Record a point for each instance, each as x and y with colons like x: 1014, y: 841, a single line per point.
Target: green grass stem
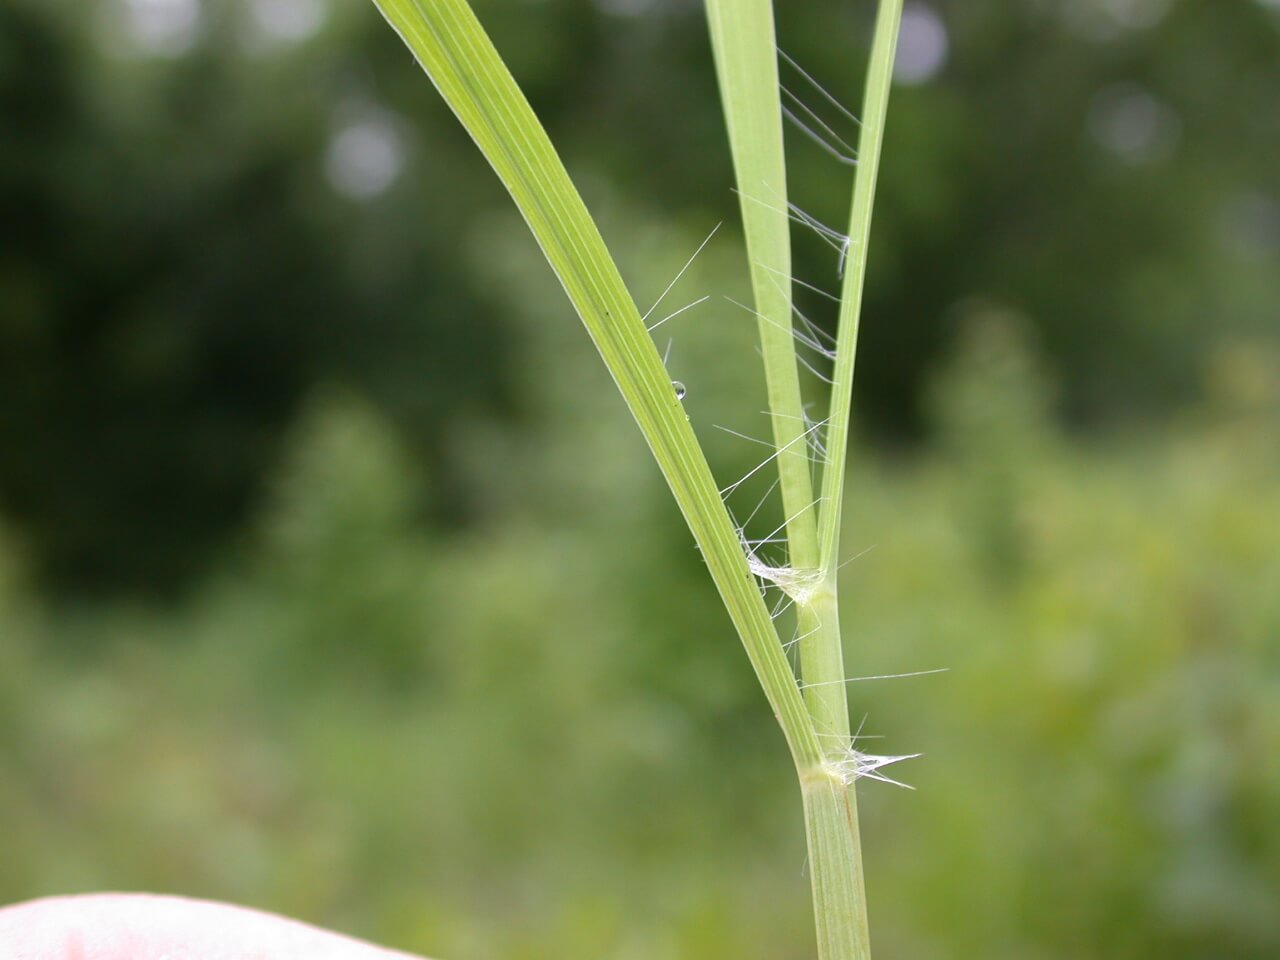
x: 743, y: 39
x: 451, y: 45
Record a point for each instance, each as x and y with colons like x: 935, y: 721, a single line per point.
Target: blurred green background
x: 335, y: 580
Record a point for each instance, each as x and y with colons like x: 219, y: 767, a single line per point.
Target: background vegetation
x: 288, y: 597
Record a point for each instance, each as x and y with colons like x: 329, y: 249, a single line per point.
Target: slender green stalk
x: 742, y: 38
x: 849, y: 934
x: 875, y: 104
x: 745, y: 46
x: 742, y: 33
x: 835, y: 865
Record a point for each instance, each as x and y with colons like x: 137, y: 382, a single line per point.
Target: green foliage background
x: 411, y: 672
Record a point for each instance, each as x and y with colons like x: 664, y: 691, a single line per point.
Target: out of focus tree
x: 208, y: 206
x: 189, y: 242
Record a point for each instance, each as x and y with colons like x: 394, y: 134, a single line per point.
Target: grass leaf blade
x: 875, y: 104
x: 451, y: 45
x: 745, y: 47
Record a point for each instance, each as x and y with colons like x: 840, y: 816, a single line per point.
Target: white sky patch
x: 627, y: 8
x: 365, y: 155
x: 1135, y: 14
x: 1108, y: 20
x: 285, y: 21
x: 923, y: 44
x: 1132, y: 124
x: 156, y: 28
x: 1249, y: 223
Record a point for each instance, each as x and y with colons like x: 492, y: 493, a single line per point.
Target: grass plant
x: 811, y: 707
